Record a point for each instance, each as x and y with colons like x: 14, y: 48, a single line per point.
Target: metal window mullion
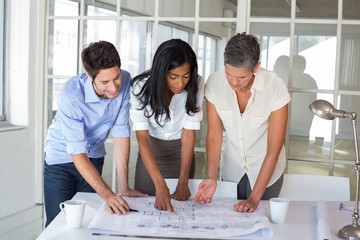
x: 336, y: 94
x: 81, y: 42
x: 118, y: 38
x: 291, y: 53
x: 2, y: 47
x: 243, y: 16
x: 197, y: 28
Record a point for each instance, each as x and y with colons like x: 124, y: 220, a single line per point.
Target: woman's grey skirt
x: 167, y: 155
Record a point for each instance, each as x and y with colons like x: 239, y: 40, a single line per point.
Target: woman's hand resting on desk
x: 206, y: 190
x: 246, y: 205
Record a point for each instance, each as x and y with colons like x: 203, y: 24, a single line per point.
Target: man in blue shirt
x: 90, y: 105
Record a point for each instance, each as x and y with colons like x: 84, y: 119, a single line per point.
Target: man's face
x: 107, y: 83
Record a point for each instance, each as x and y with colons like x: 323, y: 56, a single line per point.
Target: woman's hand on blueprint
x: 205, y: 191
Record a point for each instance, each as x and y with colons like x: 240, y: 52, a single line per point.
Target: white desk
x: 300, y: 223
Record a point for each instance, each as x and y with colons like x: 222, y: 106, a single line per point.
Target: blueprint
x: 217, y: 219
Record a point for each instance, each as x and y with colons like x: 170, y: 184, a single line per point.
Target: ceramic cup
x: 74, y: 212
x: 278, y: 209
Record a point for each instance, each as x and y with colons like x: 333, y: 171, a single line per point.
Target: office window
x: 136, y: 28
x: 2, y: 47
x: 134, y: 31
x: 317, y: 55
x: 206, y: 52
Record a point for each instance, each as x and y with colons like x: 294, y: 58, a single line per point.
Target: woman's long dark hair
x: 169, y: 55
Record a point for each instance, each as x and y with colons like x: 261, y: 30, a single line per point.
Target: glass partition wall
x: 316, y: 52
x: 136, y: 28
x: 317, y: 55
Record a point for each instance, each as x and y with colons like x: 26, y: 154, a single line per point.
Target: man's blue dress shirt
x: 83, y: 120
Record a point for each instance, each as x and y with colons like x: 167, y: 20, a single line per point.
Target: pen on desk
x: 133, y: 210
x: 342, y: 208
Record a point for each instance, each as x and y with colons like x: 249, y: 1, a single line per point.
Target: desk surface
x: 301, y: 222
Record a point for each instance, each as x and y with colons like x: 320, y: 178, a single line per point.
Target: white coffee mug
x: 278, y: 209
x: 73, y: 211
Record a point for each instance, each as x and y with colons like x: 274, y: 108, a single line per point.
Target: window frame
x: 2, y: 49
x: 126, y: 13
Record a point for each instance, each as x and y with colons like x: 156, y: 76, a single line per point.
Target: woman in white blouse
x: 166, y: 109
x: 251, y: 104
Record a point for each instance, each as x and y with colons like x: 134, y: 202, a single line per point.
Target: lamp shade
x: 326, y: 110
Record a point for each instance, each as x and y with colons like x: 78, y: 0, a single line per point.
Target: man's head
x: 102, y: 65
x: 99, y: 55
x: 242, y: 50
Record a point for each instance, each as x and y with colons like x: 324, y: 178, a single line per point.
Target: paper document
x: 323, y: 228
x: 190, y: 220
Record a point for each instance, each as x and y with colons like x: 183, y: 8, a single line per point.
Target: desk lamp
x: 326, y: 110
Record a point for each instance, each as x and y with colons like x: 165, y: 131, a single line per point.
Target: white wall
x: 20, y: 148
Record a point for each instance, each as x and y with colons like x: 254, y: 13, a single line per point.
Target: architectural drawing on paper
x: 195, y: 220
